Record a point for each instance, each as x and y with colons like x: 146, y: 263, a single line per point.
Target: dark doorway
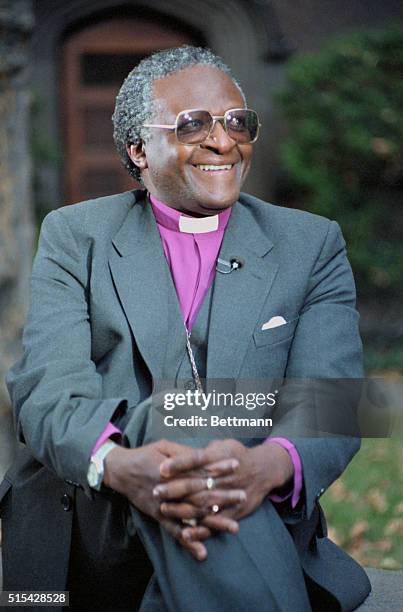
x: 96, y: 59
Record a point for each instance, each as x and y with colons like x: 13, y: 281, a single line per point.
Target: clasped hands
x: 168, y: 481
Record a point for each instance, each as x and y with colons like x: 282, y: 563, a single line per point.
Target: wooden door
x: 95, y: 62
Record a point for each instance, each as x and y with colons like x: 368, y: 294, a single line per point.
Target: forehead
x: 198, y: 86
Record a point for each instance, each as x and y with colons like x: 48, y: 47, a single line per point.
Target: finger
x: 194, y: 459
x: 197, y: 549
x: 201, y: 504
x: 167, y: 447
x: 220, y: 522
x: 231, y: 481
x: 219, y: 497
x: 183, y: 462
x: 225, y: 467
x: 182, y: 511
x: 197, y: 534
x: 177, y: 489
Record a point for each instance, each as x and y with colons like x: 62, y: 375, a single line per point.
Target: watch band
x: 95, y: 472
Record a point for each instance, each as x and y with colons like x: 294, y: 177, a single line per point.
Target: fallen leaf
x: 389, y: 563
x: 359, y: 550
x: 358, y: 529
x: 335, y: 536
x: 338, y: 491
x: 382, y: 545
x: 377, y: 500
x: 394, y: 527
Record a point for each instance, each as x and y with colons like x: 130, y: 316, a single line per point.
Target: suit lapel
x: 238, y: 297
x: 148, y: 297
x: 144, y: 285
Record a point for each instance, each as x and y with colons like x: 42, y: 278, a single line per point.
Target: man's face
x: 171, y: 171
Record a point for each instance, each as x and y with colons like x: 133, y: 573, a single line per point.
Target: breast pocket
x: 274, y: 335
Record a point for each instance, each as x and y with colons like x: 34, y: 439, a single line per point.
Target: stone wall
x: 16, y: 227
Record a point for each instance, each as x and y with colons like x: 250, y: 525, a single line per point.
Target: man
x: 185, y: 280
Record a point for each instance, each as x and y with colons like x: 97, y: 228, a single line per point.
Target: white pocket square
x: 274, y: 322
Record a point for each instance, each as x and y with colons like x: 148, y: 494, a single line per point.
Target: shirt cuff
x: 109, y: 431
x: 295, y: 493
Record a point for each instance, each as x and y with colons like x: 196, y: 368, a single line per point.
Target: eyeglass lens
x: 193, y: 127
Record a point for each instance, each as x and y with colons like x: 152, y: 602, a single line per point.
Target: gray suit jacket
x: 98, y: 331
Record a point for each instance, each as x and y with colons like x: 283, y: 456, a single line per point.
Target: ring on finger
x: 210, y: 483
x: 215, y: 508
x: 192, y: 522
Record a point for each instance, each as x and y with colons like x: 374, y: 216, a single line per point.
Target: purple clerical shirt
x: 191, y: 248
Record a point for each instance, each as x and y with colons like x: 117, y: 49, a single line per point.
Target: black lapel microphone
x: 226, y: 267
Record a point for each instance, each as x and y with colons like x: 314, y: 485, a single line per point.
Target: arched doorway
x: 95, y: 62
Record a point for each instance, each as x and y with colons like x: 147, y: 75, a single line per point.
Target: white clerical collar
x: 198, y: 225
x: 172, y: 219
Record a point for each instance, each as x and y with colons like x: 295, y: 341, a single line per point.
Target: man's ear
x: 137, y: 154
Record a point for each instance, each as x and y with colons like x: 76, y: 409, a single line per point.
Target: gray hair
x: 135, y: 102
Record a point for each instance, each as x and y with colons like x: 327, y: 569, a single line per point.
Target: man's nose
x: 219, y: 139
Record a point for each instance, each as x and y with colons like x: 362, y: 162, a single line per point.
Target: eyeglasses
x: 194, y: 126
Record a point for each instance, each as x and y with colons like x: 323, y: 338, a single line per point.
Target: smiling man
x: 198, y: 178
x: 187, y: 279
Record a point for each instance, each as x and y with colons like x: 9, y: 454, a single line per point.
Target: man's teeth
x: 207, y: 167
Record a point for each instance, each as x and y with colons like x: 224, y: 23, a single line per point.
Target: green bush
x: 344, y: 153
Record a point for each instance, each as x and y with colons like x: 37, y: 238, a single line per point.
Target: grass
x: 364, y: 507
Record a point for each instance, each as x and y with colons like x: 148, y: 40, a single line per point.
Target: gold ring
x: 192, y: 522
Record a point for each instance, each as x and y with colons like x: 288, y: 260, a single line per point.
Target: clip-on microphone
x: 226, y: 267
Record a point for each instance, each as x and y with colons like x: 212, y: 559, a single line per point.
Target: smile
x: 214, y: 168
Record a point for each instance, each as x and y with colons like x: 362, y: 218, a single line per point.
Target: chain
x: 192, y: 362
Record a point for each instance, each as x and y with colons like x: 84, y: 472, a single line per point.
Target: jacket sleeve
x: 317, y: 404
x: 55, y: 389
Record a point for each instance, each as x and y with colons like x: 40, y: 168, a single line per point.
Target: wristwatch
x: 95, y: 474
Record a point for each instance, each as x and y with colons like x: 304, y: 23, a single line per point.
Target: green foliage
x: 364, y: 507
x: 380, y: 359
x: 344, y: 155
